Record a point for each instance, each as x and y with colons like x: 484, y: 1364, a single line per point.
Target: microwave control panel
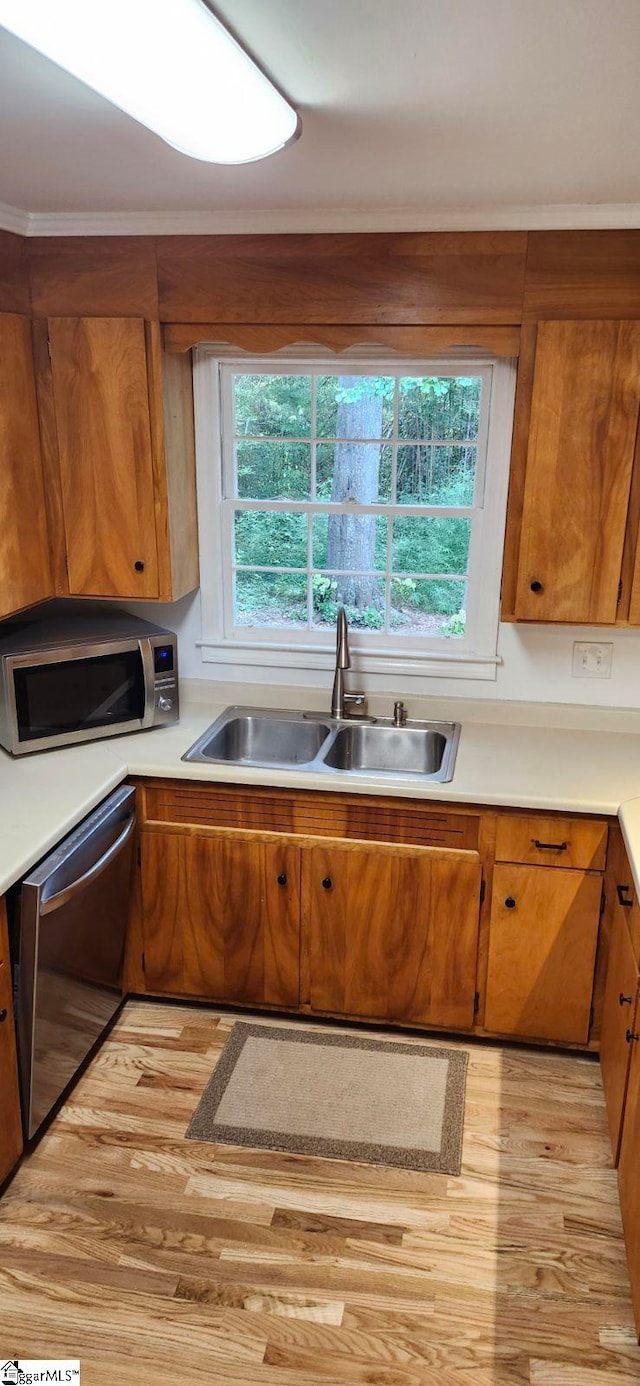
x: 165, y: 682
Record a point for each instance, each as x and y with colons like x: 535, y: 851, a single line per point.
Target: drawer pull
x: 510, y: 902
x: 622, y: 896
x: 3, y: 1015
x: 549, y: 846
x: 631, y: 1037
x: 624, y: 1000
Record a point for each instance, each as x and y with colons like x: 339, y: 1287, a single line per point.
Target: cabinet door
x: 11, y: 1124
x: 221, y: 917
x: 584, y: 416
x: 393, y: 932
x: 542, y: 947
x: 628, y: 1181
x: 25, y: 574
x: 101, y: 399
x: 618, y: 1021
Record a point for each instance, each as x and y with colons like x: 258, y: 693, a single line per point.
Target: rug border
x: 446, y: 1161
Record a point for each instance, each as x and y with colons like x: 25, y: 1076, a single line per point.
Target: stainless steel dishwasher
x: 68, y: 933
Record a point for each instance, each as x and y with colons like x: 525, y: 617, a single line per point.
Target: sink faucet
x: 340, y: 700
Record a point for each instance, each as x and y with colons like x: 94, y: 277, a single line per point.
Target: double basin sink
x: 249, y: 736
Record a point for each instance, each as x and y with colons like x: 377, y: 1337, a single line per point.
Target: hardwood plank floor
x: 154, y: 1258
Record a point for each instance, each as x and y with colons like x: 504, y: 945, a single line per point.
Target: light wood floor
x: 157, y: 1259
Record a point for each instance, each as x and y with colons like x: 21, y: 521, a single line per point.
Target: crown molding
x: 13, y: 219
x: 553, y: 217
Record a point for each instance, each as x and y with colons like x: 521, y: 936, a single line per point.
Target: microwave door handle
x: 55, y: 902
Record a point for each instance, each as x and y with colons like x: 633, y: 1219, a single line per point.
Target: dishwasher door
x: 70, y: 949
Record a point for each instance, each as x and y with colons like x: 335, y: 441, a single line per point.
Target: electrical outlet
x: 591, y: 661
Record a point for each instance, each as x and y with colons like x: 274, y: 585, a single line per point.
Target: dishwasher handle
x: 55, y: 902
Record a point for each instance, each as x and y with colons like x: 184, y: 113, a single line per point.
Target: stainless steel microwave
x: 75, y: 678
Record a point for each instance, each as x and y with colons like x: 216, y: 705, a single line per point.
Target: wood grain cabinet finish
x: 25, y: 571
x: 125, y: 454
x: 581, y: 441
x: 618, y: 1025
x: 221, y: 917
x: 538, y: 841
x: 10, y: 1119
x: 542, y: 947
x: 393, y: 932
x: 628, y: 1180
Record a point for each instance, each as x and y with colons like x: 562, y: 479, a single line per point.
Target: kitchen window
x: 376, y: 484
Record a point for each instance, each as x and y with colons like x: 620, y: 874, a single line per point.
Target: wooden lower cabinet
x: 393, y: 932
x: 542, y: 947
x: 618, y: 1025
x: 221, y: 917
x: 11, y: 1122
x: 628, y: 1181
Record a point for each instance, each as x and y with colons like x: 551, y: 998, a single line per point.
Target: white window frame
x: 473, y: 655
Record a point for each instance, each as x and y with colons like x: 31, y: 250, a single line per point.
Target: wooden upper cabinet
x: 581, y: 442
x: 542, y: 947
x: 125, y: 452
x: 25, y: 573
x: 393, y: 931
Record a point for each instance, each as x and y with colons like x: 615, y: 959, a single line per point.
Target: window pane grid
x: 393, y: 592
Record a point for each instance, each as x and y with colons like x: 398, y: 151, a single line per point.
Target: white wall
x: 536, y: 664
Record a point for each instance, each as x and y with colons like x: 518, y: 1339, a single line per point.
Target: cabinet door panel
x: 542, y: 952
x: 394, y: 934
x: 217, y: 922
x: 628, y: 1181
x: 584, y: 417
x: 619, y: 1016
x: 100, y: 387
x: 11, y: 1124
x: 25, y: 574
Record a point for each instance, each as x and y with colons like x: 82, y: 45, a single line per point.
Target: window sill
x: 430, y: 664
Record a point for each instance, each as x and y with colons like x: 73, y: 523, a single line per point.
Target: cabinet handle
x: 139, y: 565
x: 622, y: 896
x: 536, y: 586
x: 624, y: 1000
x: 510, y: 902
x: 327, y: 883
x: 631, y: 1036
x: 282, y: 880
x: 549, y: 846
x: 3, y: 1014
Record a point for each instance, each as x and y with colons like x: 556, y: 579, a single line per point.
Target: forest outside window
x: 379, y: 486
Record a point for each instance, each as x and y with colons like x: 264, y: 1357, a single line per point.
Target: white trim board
x: 554, y: 217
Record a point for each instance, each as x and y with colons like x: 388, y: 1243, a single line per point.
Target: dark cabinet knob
x: 631, y: 1037
x: 282, y: 880
x: 536, y: 586
x: 3, y: 1015
x: 510, y: 902
x: 139, y: 565
x: 624, y: 1000
x: 327, y: 883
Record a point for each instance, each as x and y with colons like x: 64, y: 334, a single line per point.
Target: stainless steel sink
x: 396, y: 750
x: 243, y: 736
x: 250, y: 736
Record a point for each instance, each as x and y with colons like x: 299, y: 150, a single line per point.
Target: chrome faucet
x: 340, y: 699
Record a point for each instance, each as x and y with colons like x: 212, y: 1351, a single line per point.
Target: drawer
x: 627, y: 903
x: 566, y: 842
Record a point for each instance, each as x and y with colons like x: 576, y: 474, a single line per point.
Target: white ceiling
x: 415, y: 113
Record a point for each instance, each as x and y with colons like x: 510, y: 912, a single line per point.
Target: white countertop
x: 509, y: 759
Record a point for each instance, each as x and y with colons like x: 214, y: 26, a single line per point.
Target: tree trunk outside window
x: 352, y: 538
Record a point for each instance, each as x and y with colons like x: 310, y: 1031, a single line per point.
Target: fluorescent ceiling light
x: 168, y: 63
